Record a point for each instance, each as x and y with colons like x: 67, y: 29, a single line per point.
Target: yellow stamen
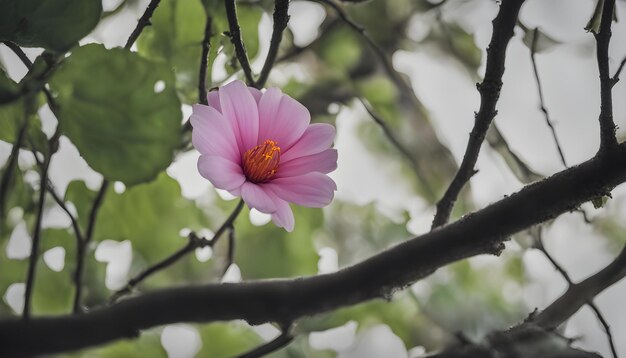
x: 261, y: 162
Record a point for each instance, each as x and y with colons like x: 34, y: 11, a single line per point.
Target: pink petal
x: 283, y: 216
x: 221, y: 172
x: 212, y: 134
x: 323, y: 162
x: 314, y: 189
x: 256, y: 197
x: 213, y: 98
x: 240, y: 108
x: 281, y: 118
x: 316, y: 138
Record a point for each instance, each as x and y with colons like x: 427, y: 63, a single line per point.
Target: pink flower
x: 260, y: 146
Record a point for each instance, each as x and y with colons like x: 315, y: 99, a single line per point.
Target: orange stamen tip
x: 261, y: 162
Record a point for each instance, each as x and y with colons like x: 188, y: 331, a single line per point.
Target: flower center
x: 261, y: 162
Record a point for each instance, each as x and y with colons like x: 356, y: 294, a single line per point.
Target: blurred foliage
x: 122, y: 110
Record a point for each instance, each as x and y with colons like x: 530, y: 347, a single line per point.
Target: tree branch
x: 82, y: 245
x: 542, y: 106
x: 194, y: 243
x: 608, y: 139
x: 34, y: 251
x: 204, y: 61
x: 577, y: 295
x: 590, y: 303
x: 489, y: 90
x: 143, y: 21
x: 235, y: 37
x: 9, y: 168
x: 285, y: 300
x: 61, y: 203
x: 281, y: 18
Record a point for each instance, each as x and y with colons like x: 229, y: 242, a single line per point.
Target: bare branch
x: 204, y: 61
x: 542, y: 105
x: 9, y: 168
x: 615, y: 77
x: 608, y: 140
x: 143, y: 21
x: 34, y: 251
x: 285, y: 300
x: 194, y: 243
x: 61, y: 203
x: 281, y: 18
x: 539, y: 245
x: 489, y: 89
x: 235, y: 37
x: 82, y: 245
x: 577, y: 295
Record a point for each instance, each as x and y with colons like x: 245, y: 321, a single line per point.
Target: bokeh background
x: 383, y: 198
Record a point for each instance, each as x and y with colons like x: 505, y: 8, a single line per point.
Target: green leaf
x: 12, y: 117
x: 122, y: 127
x: 151, y: 216
x: 538, y: 41
x: 176, y: 37
x: 55, y: 25
x: 9, y: 90
x: 270, y: 251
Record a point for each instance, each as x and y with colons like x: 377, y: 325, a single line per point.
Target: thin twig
x: 542, y: 106
x: 34, y: 252
x: 235, y: 37
x: 608, y: 139
x: 396, y: 143
x: 539, y: 245
x: 489, y: 90
x: 277, y: 343
x: 143, y: 21
x: 82, y: 245
x: 57, y: 198
x: 194, y: 243
x: 281, y: 18
x: 230, y: 256
x: 204, y: 61
x: 18, y: 51
x: 615, y: 77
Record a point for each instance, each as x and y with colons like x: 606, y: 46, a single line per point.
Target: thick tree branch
x: 143, y: 21
x: 194, y: 243
x: 237, y: 41
x: 281, y: 18
x: 284, y: 301
x: 577, y: 295
x: 608, y: 139
x: 542, y: 105
x: 489, y: 89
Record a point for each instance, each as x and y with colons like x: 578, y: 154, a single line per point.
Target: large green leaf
x: 122, y: 126
x: 55, y: 25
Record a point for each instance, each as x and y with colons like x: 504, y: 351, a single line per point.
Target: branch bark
x: 284, y: 301
x: 489, y: 89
